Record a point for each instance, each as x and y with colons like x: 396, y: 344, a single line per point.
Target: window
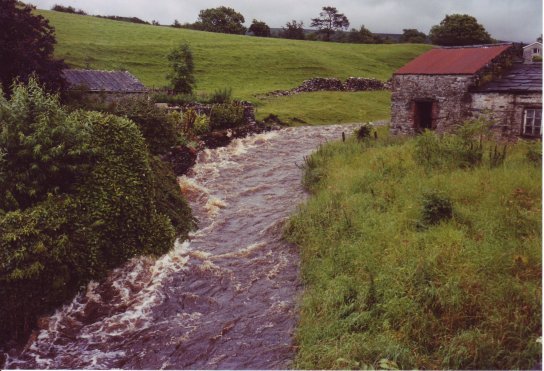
x: 532, y: 122
x: 535, y: 51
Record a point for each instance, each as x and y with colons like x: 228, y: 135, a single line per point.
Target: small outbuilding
x: 446, y: 86
x: 532, y: 51
x: 111, y: 84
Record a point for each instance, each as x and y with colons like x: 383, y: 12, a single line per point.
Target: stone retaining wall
x: 334, y: 84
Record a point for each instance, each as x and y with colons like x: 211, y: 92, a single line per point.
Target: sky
x: 508, y: 20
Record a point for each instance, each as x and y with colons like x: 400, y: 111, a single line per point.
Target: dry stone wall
x: 334, y: 84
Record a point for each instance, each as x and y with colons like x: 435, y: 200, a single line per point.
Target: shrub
x: 364, y: 132
x: 221, y: 96
x: 227, y: 115
x: 201, y: 124
x: 436, y: 207
x: 195, y: 123
x: 158, y: 130
x: 105, y: 211
x: 45, y: 150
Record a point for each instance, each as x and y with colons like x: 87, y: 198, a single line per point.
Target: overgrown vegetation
x: 80, y: 195
x: 413, y: 266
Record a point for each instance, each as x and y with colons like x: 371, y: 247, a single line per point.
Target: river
x: 226, y: 299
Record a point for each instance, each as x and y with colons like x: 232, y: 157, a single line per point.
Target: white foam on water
x: 137, y: 286
x: 243, y: 252
x: 213, y: 205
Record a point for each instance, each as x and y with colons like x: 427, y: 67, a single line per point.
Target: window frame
x: 531, y: 113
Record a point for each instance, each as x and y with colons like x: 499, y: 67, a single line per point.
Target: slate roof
x: 106, y: 81
x: 466, y: 60
x: 521, y: 78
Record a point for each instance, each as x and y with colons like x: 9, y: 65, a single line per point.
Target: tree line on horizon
x: 330, y: 25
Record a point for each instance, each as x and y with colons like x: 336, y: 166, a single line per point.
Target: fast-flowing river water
x: 226, y: 299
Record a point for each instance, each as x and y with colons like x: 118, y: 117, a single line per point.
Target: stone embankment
x: 334, y: 84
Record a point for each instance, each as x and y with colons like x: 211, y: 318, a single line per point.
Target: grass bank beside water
x: 413, y: 262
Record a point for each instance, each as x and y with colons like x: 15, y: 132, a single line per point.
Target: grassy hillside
x: 249, y: 65
x: 416, y: 261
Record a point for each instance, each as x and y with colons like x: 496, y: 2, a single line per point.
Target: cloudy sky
x: 511, y: 20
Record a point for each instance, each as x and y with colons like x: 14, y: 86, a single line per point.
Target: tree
x: 293, y: 30
x: 363, y: 36
x: 330, y: 21
x: 182, y: 69
x: 26, y: 47
x: 459, y: 29
x: 413, y: 36
x: 222, y: 20
x: 259, y: 28
x: 176, y: 24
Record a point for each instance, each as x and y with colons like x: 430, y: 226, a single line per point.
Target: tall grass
x: 386, y: 288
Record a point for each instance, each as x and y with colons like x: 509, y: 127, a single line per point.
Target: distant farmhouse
x: 445, y: 86
x: 111, y: 84
x: 532, y: 51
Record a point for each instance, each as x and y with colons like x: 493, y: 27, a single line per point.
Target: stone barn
x: 445, y: 86
x: 110, y: 85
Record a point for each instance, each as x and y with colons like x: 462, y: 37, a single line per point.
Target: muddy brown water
x: 226, y: 299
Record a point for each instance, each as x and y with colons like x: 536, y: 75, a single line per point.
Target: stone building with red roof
x: 445, y: 86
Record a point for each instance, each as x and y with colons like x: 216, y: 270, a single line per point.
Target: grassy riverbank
x: 248, y: 65
x: 413, y: 261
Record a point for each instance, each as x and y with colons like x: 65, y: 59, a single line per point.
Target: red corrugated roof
x: 452, y: 61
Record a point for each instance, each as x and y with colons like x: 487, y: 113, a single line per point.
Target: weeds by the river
x: 382, y: 292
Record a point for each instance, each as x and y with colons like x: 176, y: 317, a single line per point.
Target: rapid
x: 225, y: 299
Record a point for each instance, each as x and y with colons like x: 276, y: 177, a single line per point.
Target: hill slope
x: 248, y: 65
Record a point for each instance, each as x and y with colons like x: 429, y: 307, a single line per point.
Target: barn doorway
x: 423, y: 115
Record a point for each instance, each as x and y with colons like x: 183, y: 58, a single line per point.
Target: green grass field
x: 386, y: 289
x: 248, y: 65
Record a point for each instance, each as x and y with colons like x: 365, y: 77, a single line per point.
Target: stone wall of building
x: 505, y: 109
x: 449, y: 94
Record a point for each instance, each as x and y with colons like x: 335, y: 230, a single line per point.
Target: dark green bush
x: 159, y: 132
x: 116, y: 206
x: 169, y: 199
x: 436, y: 207
x: 226, y: 116
x: 364, y: 132
x: 221, y: 96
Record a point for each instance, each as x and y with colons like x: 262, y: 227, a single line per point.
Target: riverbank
x: 225, y: 299
x: 417, y: 261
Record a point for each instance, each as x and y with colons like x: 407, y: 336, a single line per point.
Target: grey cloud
x: 513, y: 20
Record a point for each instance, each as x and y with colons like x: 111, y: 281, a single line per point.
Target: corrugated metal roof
x: 106, y: 81
x: 521, y: 78
x: 453, y: 60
